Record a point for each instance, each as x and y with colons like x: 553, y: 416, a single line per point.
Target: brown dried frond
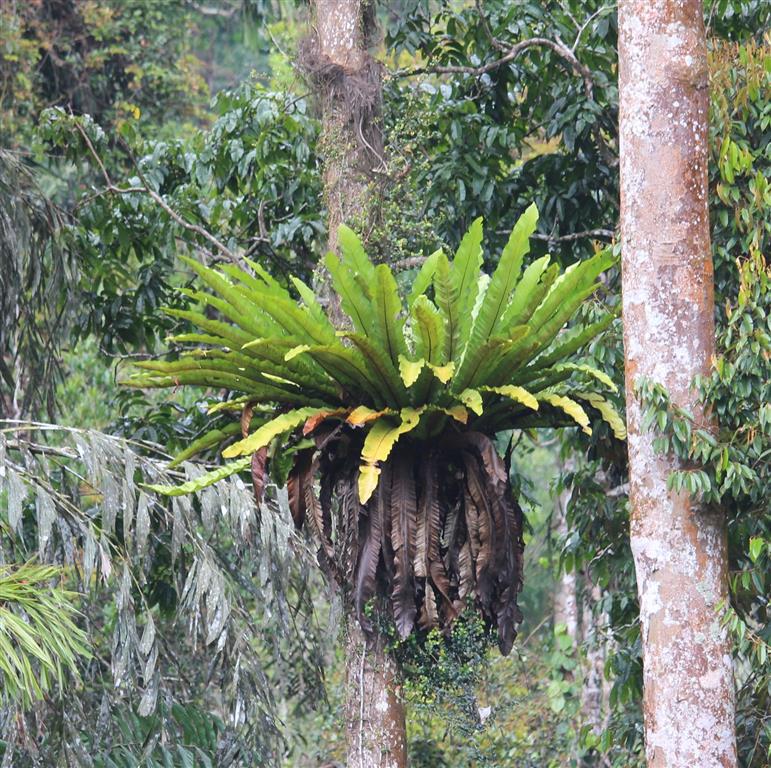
x: 442, y: 529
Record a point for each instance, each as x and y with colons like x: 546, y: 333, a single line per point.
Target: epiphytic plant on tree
x: 396, y: 414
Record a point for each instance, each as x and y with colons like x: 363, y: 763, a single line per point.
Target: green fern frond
x: 489, y: 349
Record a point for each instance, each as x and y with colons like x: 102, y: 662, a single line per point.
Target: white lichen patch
x: 678, y: 548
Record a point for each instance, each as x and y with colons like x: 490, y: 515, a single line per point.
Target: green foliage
x: 191, y: 739
x: 128, y: 65
x: 740, y: 196
x: 510, y: 721
x: 126, y: 77
x: 737, y: 21
x: 39, y: 640
x: 737, y: 390
x: 259, y: 148
x: 527, y: 130
x: 447, y: 667
x: 110, y: 59
x: 442, y: 673
x: 597, y: 548
x: 465, y: 145
x: 175, y: 595
x: 276, y: 351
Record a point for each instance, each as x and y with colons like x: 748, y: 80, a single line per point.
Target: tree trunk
x: 375, y: 726
x: 594, y: 689
x: 566, y: 588
x: 679, y: 546
x: 348, y: 82
x: 565, y: 603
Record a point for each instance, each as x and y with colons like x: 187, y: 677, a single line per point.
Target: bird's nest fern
x: 394, y: 415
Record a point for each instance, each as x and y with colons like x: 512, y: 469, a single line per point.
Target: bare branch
x: 146, y: 189
x: 607, y: 234
x: 568, y: 13
x: 94, y: 154
x: 589, y: 20
x: 512, y: 53
x: 208, y: 10
x: 205, y: 234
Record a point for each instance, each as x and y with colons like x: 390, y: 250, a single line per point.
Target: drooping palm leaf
x: 39, y: 639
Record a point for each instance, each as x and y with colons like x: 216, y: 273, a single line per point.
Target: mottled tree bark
x: 375, y: 725
x: 347, y: 81
x: 679, y: 546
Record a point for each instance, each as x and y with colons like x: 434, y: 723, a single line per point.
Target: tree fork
x: 679, y: 546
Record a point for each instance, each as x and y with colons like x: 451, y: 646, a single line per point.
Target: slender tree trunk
x: 679, y: 546
x: 566, y: 604
x: 348, y: 82
x: 566, y: 588
x: 594, y: 688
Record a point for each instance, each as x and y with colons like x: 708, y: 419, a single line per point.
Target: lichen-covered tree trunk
x: 348, y: 83
x: 679, y: 546
x: 565, y: 598
x: 594, y: 689
x: 375, y: 725
x: 566, y: 588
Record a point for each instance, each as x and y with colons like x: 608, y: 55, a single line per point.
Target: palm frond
x: 39, y: 640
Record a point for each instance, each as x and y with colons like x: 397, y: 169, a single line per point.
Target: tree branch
x: 589, y: 20
x: 512, y: 53
x: 146, y: 189
x: 494, y: 41
x: 565, y: 52
x: 412, y: 262
x: 604, y: 233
